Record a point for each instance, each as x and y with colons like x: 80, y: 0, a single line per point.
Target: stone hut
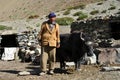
x: 106, y: 33
x: 99, y: 28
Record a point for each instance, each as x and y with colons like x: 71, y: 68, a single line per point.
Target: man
x: 50, y: 40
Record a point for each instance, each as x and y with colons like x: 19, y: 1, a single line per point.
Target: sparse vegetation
x: 38, y: 25
x: 78, y: 13
x: 13, y: 16
x: 100, y: 3
x: 58, y: 14
x: 82, y: 16
x: 41, y: 18
x: 2, y: 27
x: 64, y: 20
x: 20, y: 8
x: 81, y: 6
x: 104, y: 11
x: 94, y: 12
x: 66, y: 12
x: 24, y: 8
x: 112, y: 8
x: 57, y: 11
x: 39, y: 1
x: 111, y: 4
x: 33, y: 16
x: 118, y: 12
x: 10, y: 16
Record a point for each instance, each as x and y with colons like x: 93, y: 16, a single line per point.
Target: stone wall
x: 98, y: 29
x: 99, y: 25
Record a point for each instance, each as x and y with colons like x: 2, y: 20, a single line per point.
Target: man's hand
x: 58, y: 45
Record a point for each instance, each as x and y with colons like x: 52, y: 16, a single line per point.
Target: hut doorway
x: 9, y: 40
x: 115, y: 30
x: 8, y: 49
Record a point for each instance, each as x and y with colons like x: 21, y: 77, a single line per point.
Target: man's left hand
x: 58, y: 45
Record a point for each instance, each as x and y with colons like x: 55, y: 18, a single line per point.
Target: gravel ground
x: 9, y: 71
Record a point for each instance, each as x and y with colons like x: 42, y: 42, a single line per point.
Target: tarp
x: 9, y: 53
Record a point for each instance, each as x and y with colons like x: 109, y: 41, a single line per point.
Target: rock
x: 32, y: 52
x: 23, y: 73
x: 114, y: 68
x: 70, y: 64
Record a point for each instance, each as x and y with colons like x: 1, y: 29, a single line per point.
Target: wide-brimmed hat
x: 51, y: 15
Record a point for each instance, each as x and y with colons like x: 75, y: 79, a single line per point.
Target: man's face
x: 52, y: 19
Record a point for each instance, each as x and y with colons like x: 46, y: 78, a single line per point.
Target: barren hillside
x: 19, y: 9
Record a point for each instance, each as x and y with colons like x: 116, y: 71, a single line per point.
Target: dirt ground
x: 9, y: 71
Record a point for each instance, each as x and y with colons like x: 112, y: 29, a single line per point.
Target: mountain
x: 20, y: 9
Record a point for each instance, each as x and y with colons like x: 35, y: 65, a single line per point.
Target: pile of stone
x: 29, y: 46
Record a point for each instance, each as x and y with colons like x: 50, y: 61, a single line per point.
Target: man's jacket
x: 49, y: 37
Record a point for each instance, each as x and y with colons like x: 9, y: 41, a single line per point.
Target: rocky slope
x: 19, y: 9
x: 28, y: 24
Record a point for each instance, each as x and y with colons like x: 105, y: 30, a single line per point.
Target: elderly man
x: 50, y: 40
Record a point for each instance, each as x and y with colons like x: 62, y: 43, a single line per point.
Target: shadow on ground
x: 10, y: 71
